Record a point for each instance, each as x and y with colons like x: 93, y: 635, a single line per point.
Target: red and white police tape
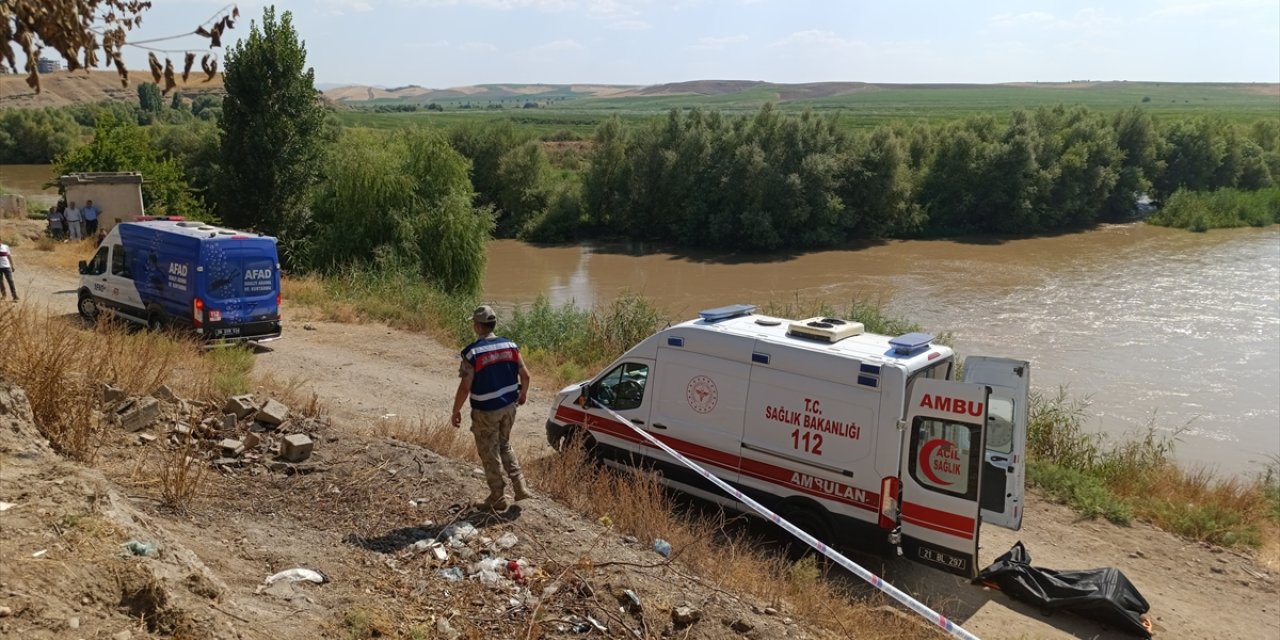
x: 875, y: 580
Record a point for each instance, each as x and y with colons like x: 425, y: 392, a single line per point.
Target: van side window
x: 623, y: 387
x: 120, y: 262
x: 945, y: 456
x: 98, y: 265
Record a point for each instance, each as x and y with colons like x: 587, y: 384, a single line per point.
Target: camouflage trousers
x: 492, y: 430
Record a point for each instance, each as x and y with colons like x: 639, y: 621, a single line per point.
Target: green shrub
x: 1225, y: 208
x: 1085, y: 493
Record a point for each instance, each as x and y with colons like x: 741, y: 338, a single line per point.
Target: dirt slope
x: 62, y: 88
x: 367, y: 372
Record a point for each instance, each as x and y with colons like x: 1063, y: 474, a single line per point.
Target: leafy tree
x: 400, y: 202
x: 149, y: 97
x: 124, y: 146
x: 36, y: 136
x: 485, y: 145
x: 177, y: 104
x: 525, y: 175
x: 1139, y: 141
x: 1194, y: 154
x: 271, y: 127
x: 194, y: 146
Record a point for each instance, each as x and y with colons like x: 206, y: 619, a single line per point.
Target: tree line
x: 269, y: 157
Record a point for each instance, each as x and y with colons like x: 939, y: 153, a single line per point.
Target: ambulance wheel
x: 810, y: 520
x: 87, y: 307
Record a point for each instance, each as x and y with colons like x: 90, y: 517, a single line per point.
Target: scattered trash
x: 138, y: 548
x: 515, y: 572
x: 458, y: 533
x: 297, y: 575
x: 662, y: 547
x: 451, y: 574
x: 39, y: 553
x: 606, y: 521
x: 630, y: 602
x: 596, y: 623
x: 5, y: 506
x: 506, y: 541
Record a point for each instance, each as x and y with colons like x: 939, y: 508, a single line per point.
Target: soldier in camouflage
x: 495, y: 380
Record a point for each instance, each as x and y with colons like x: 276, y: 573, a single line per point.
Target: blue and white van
x: 170, y: 272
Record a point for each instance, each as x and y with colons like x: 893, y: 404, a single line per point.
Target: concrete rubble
x: 240, y: 435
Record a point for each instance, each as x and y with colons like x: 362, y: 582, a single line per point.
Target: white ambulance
x: 854, y: 437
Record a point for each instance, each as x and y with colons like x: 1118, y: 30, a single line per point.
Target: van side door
x: 121, y: 289
x: 699, y: 411
x: 940, y: 475
x: 1004, y: 468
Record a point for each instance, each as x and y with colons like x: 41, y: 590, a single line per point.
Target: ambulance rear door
x: 1004, y: 468
x: 940, y: 474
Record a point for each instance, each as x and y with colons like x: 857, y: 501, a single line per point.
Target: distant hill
x: 886, y: 99
x: 62, y: 88
x: 474, y: 93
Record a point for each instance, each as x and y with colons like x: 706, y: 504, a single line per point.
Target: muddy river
x: 1155, y: 326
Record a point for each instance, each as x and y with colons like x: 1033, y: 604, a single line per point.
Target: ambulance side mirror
x: 84, y: 266
x: 585, y: 401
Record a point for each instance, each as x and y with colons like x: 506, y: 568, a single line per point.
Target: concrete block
x: 146, y: 438
x: 166, y: 395
x: 251, y: 441
x: 138, y: 414
x: 296, y: 447
x: 229, y: 421
x: 240, y: 406
x: 231, y: 447
x: 112, y: 393
x: 273, y: 413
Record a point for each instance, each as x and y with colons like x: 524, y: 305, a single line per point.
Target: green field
x: 864, y: 107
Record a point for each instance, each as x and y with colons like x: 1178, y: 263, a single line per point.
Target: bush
x: 1224, y: 208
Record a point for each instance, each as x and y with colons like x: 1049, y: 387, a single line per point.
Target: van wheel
x: 155, y: 321
x: 87, y: 306
x: 809, y: 520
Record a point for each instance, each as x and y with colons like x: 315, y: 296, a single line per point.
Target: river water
x: 1152, y: 325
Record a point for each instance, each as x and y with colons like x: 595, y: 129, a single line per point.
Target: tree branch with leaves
x: 91, y: 33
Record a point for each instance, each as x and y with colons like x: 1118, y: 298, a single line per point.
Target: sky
x: 447, y: 43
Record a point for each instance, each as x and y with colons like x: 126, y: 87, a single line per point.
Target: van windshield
x: 240, y: 278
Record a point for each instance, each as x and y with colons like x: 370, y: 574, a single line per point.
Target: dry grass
x: 430, y: 433
x: 180, y: 473
x: 707, y: 546
x: 61, y: 365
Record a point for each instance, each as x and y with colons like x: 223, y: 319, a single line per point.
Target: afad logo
x: 953, y: 405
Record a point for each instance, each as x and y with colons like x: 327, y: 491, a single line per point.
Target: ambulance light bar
x: 724, y: 313
x: 909, y: 343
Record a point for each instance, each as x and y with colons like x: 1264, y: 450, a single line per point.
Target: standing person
x: 6, y: 272
x: 495, y: 379
x: 90, y: 215
x: 55, y: 223
x: 75, y: 224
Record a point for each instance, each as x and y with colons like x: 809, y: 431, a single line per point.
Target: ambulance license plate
x: 230, y: 331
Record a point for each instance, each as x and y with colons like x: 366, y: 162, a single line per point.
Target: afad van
x: 224, y: 285
x: 862, y: 440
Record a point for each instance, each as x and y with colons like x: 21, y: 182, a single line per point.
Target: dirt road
x: 369, y: 374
